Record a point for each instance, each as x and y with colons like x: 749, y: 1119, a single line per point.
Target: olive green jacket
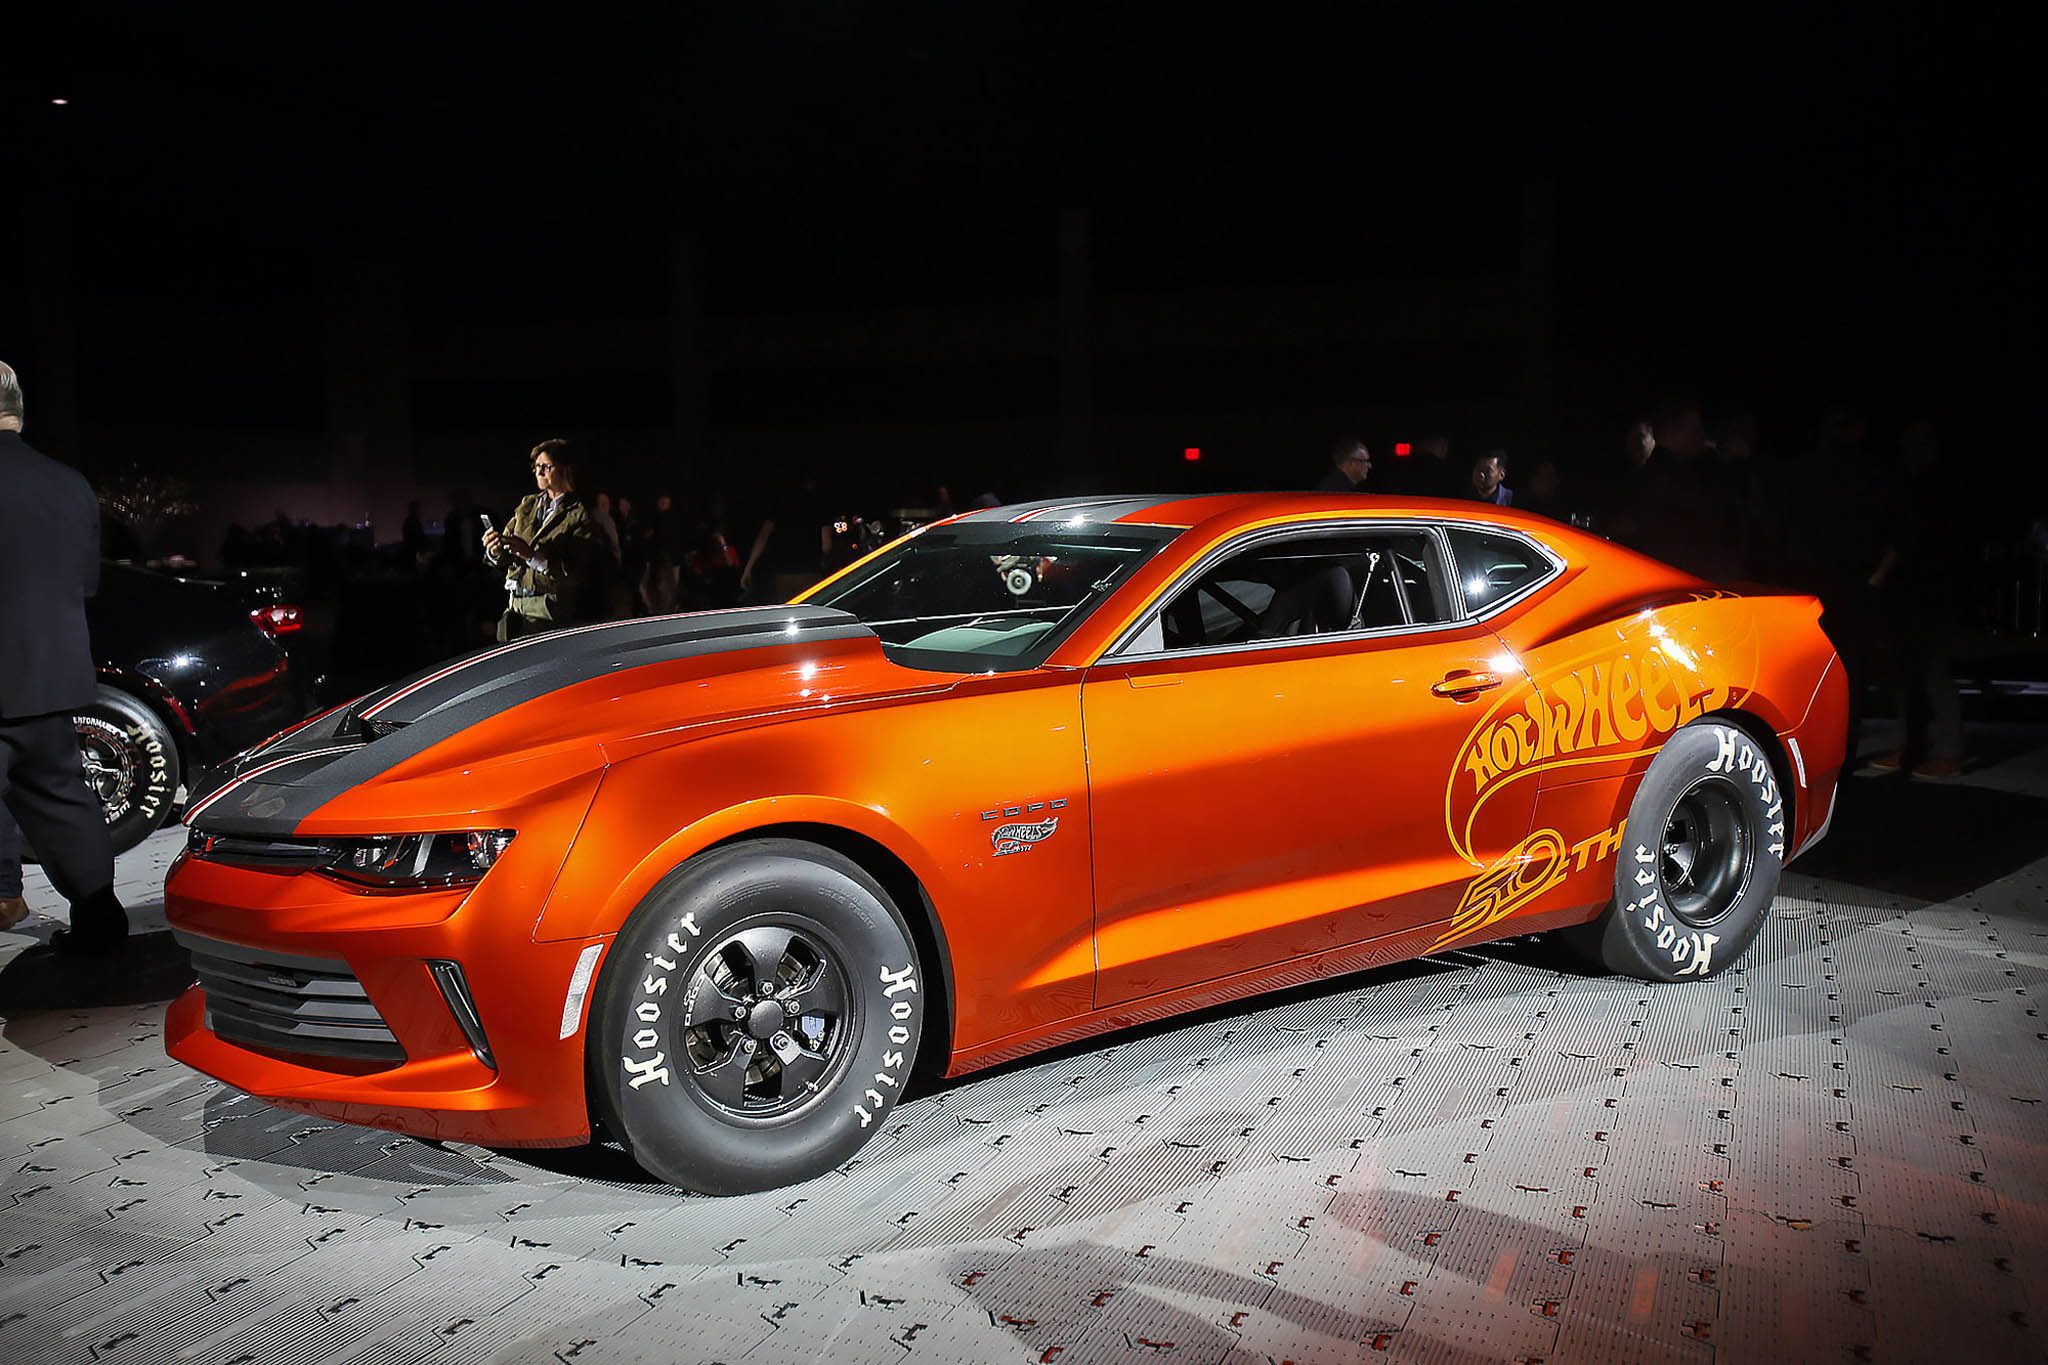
x: 564, y: 546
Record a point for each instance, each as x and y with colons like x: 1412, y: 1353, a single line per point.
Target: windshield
x: 982, y: 595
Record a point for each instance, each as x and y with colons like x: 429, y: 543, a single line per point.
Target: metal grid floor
x: 1838, y: 1150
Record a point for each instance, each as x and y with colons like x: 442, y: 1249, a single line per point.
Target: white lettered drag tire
x: 1699, y: 861
x: 756, y: 1018
x: 131, y: 763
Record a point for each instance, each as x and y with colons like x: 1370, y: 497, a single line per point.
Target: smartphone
x: 485, y: 518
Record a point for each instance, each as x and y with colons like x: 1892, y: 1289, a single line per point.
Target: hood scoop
x: 376, y: 729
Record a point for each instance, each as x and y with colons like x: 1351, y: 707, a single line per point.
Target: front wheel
x: 756, y: 1019
x: 1699, y: 865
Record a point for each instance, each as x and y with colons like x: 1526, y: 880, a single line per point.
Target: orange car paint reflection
x: 1256, y: 806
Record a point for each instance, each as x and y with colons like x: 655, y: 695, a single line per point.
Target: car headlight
x: 404, y: 861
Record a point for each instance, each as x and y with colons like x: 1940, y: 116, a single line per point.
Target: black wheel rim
x: 1707, y: 852
x: 768, y: 1016
x: 112, y: 762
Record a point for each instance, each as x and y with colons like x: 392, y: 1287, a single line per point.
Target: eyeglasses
x: 540, y: 468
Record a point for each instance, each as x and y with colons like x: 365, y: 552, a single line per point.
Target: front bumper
x: 325, y: 1000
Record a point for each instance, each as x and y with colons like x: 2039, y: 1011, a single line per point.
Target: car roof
x: 1184, y: 510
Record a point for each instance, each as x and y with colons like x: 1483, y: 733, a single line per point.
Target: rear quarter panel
x: 1616, y: 658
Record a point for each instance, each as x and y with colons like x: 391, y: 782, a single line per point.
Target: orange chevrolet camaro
x: 715, y: 884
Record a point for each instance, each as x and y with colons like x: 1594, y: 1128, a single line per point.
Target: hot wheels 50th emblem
x: 1019, y: 832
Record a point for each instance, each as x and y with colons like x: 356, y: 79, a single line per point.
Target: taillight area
x: 279, y: 618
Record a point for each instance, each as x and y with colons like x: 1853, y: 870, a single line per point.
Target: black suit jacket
x: 49, y: 565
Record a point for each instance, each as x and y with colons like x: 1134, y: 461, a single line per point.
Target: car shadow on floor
x: 153, y: 970
x: 1931, y: 841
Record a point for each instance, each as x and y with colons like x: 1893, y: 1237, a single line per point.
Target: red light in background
x: 279, y: 619
x: 1402, y: 448
x: 1192, y: 454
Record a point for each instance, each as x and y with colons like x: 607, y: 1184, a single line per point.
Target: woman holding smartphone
x: 546, y: 548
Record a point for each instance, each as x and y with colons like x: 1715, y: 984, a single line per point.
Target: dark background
x: 325, y: 263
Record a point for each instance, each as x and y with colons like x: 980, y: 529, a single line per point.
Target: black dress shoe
x: 72, y: 943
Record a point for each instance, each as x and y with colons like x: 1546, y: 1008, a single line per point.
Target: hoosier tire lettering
x: 1706, y: 846
x: 900, y: 1012
x: 131, y: 762
x: 757, y: 1019
x: 648, y: 1069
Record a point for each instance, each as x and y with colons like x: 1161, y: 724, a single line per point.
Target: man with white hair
x: 49, y: 565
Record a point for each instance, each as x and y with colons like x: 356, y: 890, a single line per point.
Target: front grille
x: 294, y: 1004
x: 269, y: 855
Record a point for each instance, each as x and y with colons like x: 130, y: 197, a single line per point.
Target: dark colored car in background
x: 190, y: 673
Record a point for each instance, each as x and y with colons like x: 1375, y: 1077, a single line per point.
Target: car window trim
x: 1494, y: 608
x: 1435, y: 530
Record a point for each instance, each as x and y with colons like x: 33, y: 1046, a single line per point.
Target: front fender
x: 591, y: 898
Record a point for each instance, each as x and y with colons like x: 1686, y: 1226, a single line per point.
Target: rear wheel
x: 1700, y: 862
x: 756, y: 1018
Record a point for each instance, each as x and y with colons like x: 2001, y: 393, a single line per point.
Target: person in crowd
x: 545, y: 549
x: 1639, y: 443
x: 49, y: 565
x: 412, y: 535
x: 1919, y: 579
x: 790, y: 547
x: 1350, y: 463
x: 13, y: 908
x: 1543, y: 492
x: 714, y: 564
x: 606, y: 560
x: 460, y: 530
x: 1834, y: 505
x: 1748, y: 503
x: 1490, y: 479
x: 235, y: 552
x: 606, y: 524
x: 632, y: 550
x: 1432, y: 473
x: 1623, y: 501
x: 1682, y: 511
x: 661, y: 580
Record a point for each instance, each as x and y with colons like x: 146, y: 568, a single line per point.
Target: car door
x: 1269, y: 754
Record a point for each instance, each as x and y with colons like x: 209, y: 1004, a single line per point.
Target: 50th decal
x: 1521, y: 876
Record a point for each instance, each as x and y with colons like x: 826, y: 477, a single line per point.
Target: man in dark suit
x: 13, y: 909
x: 49, y: 565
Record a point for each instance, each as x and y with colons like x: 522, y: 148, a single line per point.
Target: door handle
x: 1462, y: 684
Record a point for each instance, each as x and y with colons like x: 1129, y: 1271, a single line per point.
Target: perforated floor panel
x: 1836, y: 1151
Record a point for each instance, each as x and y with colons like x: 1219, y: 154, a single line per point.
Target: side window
x: 1307, y: 585
x: 1491, y: 567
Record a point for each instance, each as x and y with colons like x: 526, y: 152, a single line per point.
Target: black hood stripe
x: 428, y: 692
x: 196, y: 808
x: 400, y: 691
x: 269, y: 791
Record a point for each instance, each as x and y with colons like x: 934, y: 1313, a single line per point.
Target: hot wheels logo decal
x: 1602, y: 709
x: 1020, y: 837
x: 1597, y: 708
x: 1019, y: 830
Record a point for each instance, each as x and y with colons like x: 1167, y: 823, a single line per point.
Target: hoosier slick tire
x: 1699, y: 860
x: 756, y: 1018
x: 131, y: 763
